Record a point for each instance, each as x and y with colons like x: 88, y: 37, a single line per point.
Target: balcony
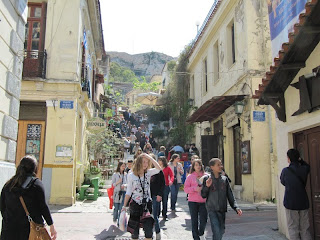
x: 85, y: 83
x: 34, y: 64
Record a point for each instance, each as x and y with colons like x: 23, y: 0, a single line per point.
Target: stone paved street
x: 93, y: 220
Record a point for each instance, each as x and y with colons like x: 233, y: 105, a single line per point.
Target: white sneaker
x: 202, y: 237
x: 158, y: 236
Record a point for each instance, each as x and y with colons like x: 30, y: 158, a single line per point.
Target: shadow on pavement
x: 112, y: 233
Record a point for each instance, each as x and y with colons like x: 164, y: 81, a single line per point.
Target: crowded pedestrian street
x: 93, y: 221
x: 151, y: 120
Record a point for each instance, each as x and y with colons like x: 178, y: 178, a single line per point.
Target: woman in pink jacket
x: 197, y: 207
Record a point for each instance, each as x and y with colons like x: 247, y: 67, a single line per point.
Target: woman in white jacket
x: 119, y: 181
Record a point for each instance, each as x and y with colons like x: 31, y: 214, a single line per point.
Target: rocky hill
x: 144, y: 64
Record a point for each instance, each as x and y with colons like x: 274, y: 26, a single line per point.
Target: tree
x: 121, y: 74
x: 102, y: 142
x: 178, y: 100
x: 144, y: 86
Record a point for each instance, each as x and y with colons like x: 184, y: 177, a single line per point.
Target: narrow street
x: 93, y: 220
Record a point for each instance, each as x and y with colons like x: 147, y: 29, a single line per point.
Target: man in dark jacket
x: 157, y: 184
x: 296, y: 202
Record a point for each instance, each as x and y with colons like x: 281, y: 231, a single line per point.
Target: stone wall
x: 13, y: 14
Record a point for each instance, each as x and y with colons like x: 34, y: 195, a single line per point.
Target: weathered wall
x: 285, y: 130
x: 253, y: 57
x: 12, y: 30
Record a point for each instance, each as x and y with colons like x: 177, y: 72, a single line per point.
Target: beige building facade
x: 62, y: 88
x: 227, y: 60
x: 297, y: 104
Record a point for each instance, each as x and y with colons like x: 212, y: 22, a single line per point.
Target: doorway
x: 209, y: 148
x: 308, y: 144
x: 31, y: 142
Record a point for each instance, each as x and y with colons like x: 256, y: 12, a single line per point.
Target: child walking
x: 217, y: 190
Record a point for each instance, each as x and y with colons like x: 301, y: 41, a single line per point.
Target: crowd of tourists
x: 144, y: 184
x: 142, y: 187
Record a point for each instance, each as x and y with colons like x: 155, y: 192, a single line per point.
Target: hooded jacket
x: 295, y: 195
x: 218, y: 194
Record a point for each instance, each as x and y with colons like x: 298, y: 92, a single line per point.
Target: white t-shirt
x: 133, y: 138
x: 134, y: 188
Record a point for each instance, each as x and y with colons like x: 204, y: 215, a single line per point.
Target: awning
x: 213, y: 108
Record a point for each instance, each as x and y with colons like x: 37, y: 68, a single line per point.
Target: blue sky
x: 138, y: 26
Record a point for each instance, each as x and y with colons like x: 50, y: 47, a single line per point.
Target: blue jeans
x: 116, y: 212
x: 155, y: 211
x: 217, y: 220
x: 174, y: 188
x: 198, y: 210
x: 165, y: 201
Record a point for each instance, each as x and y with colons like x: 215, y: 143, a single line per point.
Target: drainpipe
x: 272, y: 167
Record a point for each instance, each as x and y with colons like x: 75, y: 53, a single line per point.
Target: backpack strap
x: 299, y: 177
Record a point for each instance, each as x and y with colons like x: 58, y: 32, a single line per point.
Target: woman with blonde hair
x: 138, y: 188
x: 139, y: 151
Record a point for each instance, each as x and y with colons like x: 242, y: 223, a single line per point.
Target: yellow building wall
x: 66, y: 21
x: 62, y: 40
x: 285, y: 130
x: 62, y: 128
x: 253, y: 58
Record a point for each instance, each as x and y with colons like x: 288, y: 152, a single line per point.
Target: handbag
x: 123, y: 221
x: 37, y: 231
x: 110, y: 194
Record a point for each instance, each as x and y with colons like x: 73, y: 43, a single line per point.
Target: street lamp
x: 238, y: 107
x: 190, y: 102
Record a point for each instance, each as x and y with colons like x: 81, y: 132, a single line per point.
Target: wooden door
x: 31, y: 141
x: 308, y: 144
x: 237, y: 155
x: 209, y: 148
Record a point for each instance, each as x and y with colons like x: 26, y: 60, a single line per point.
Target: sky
x: 139, y: 26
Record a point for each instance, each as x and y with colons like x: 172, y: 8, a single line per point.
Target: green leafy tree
x: 145, y: 86
x: 121, y: 74
x: 102, y: 142
x: 178, y: 95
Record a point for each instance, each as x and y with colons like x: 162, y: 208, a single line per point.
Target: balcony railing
x: 34, y: 64
x: 85, y: 84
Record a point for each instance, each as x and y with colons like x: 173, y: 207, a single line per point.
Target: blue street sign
x: 66, y: 104
x: 259, y: 116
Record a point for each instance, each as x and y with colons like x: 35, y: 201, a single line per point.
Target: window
x: 216, y: 64
x: 34, y: 34
x: 205, y: 75
x: 231, y: 48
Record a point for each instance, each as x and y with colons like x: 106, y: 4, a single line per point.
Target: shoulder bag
x: 37, y: 231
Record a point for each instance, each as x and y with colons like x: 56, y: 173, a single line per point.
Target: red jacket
x: 168, y: 175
